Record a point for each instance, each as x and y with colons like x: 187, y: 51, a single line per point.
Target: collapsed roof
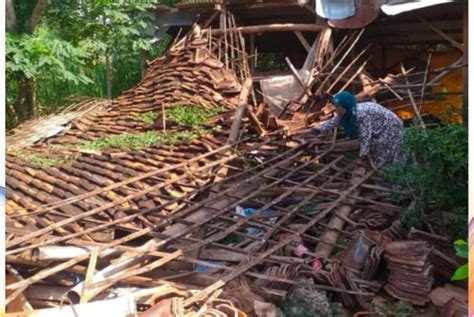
x: 219, y: 227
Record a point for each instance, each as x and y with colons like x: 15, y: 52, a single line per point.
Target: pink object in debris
x: 316, y: 264
x: 301, y: 250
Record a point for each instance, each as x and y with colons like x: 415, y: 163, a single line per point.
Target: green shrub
x: 193, y: 115
x: 462, y: 272
x: 439, y: 179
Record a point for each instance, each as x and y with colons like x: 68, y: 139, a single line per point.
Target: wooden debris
x: 139, y: 209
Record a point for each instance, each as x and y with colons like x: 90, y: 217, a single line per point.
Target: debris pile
x: 411, y: 273
x: 205, y: 227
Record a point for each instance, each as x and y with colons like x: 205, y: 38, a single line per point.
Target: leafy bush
x: 439, y: 178
x: 462, y: 251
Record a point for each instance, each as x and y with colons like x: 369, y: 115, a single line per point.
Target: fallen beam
x: 330, y: 236
x: 286, y: 27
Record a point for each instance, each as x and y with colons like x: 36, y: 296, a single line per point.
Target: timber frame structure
x: 215, y: 224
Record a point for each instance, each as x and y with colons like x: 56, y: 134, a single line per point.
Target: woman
x: 378, y: 129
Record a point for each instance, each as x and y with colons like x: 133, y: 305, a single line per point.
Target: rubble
x: 411, y: 273
x: 304, y: 299
x: 159, y: 223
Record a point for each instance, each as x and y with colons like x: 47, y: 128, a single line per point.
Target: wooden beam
x: 298, y: 77
x: 287, y: 27
x: 302, y: 40
x: 243, y: 101
x: 331, y: 234
x: 415, y: 108
x: 253, y: 59
x: 448, y: 38
x: 89, y: 274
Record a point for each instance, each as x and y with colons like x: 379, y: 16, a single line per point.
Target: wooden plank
x: 89, y: 274
x: 302, y: 40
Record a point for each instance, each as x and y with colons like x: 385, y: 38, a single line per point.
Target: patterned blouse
x: 380, y: 131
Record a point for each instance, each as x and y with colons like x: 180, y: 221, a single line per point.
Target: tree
x: 60, y: 47
x: 30, y: 15
x: 114, y: 28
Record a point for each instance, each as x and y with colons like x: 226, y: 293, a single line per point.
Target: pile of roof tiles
x: 185, y: 75
x: 411, y: 272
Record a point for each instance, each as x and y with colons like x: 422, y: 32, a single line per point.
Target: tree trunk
x: 10, y: 17
x: 108, y: 74
x: 40, y: 7
x: 25, y: 105
x: 144, y: 57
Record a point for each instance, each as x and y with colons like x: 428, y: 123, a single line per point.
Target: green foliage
x: 143, y: 140
x: 193, y: 115
x: 65, y: 55
x: 148, y: 117
x: 39, y: 160
x: 462, y: 250
x: 271, y: 62
x: 42, y: 57
x: 439, y: 178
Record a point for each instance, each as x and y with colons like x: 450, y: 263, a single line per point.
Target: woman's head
x: 344, y: 102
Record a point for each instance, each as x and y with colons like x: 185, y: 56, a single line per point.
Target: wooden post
x: 243, y: 100
x: 252, y: 52
x: 465, y: 88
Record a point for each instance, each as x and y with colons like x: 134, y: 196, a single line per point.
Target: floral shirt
x: 380, y: 131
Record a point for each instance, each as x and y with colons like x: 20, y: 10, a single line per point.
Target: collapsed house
x: 119, y: 204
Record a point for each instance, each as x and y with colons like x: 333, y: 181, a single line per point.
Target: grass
x: 37, y: 159
x: 143, y: 140
x: 148, y: 117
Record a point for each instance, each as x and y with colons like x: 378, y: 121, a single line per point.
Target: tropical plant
x: 55, y: 49
x: 439, y: 177
x: 462, y: 251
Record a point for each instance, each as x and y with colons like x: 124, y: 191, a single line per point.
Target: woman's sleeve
x: 327, y: 125
x: 365, y: 134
